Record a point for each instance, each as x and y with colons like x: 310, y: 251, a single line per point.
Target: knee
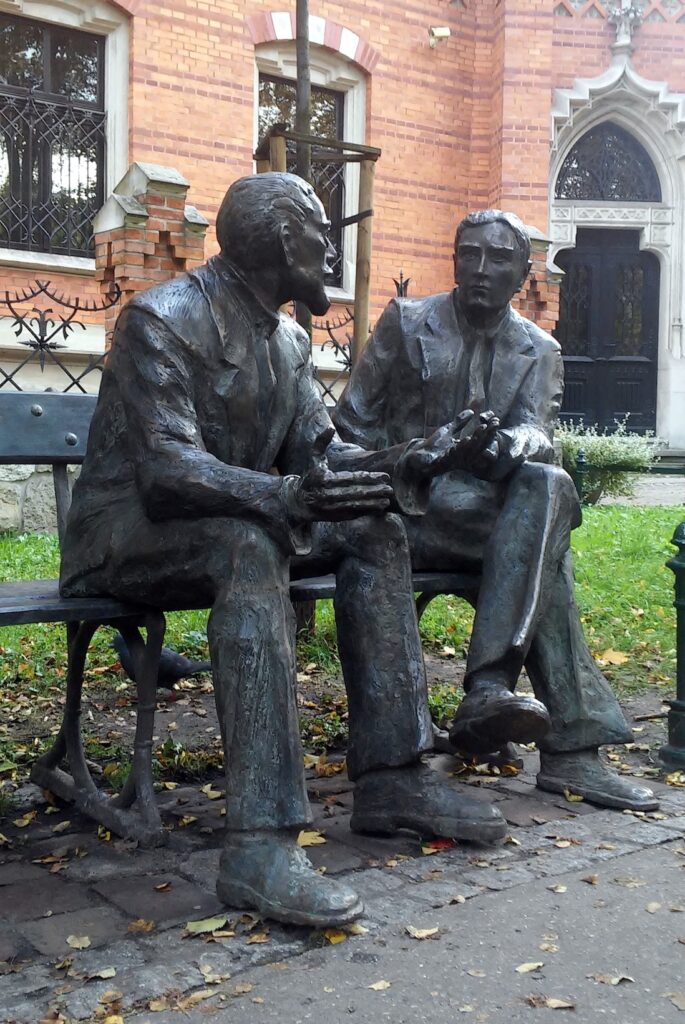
x: 246, y: 554
x: 384, y: 534
x: 554, y: 482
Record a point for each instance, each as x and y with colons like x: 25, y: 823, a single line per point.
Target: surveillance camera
x: 436, y: 33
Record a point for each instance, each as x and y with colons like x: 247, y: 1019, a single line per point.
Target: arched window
x: 338, y: 112
x: 63, y: 124
x: 608, y: 164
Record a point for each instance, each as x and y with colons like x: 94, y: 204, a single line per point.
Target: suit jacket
x: 205, y: 391
x: 413, y: 376
x: 205, y: 394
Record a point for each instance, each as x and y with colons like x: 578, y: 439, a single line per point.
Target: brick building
x: 569, y: 112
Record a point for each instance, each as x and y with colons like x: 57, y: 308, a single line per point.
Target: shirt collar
x: 257, y: 310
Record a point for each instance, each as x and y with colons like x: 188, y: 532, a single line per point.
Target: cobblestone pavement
x: 63, y: 886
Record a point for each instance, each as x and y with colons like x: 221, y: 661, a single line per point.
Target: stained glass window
x: 610, y: 165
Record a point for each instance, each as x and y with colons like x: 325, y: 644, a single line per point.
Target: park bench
x: 51, y: 428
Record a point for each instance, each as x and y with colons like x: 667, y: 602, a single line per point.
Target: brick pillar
x: 145, y: 233
x: 539, y: 298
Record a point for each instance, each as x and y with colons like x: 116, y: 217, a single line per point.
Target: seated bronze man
x: 211, y: 463
x: 508, y: 514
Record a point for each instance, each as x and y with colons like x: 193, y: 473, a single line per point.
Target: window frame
x: 333, y: 71
x: 102, y: 19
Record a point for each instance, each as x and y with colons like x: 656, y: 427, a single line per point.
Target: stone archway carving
x: 655, y: 116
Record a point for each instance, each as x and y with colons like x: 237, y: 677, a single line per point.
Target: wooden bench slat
x: 33, y: 601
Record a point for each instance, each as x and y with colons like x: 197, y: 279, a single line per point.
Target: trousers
x: 238, y: 570
x: 516, y: 533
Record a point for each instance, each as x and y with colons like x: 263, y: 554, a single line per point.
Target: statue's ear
x: 285, y: 238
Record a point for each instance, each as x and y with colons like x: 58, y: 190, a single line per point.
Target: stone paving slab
x: 89, y: 886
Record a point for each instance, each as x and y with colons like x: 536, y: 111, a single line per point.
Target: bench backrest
x: 46, y: 428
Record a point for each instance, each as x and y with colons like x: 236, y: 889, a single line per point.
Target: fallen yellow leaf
x: 257, y: 938
x: 356, y: 929
x: 242, y: 988
x: 78, y: 941
x: 573, y: 798
x: 652, y: 908
x: 380, y: 986
x: 612, y: 657
x: 610, y: 979
x: 207, y: 972
x: 194, y: 999
x: 310, y: 839
x: 334, y: 936
x: 527, y: 968
x: 422, y: 933
x: 212, y: 794
x: 25, y: 819
x: 140, y: 925
x: 548, y: 1002
x: 207, y: 924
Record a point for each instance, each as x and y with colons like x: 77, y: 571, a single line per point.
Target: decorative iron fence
x: 44, y: 333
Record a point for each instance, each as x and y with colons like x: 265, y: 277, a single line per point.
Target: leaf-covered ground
x: 624, y: 591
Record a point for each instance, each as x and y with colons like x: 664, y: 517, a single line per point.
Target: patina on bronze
x: 508, y: 513
x: 211, y: 467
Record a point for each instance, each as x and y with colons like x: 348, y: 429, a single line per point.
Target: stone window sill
x: 46, y: 261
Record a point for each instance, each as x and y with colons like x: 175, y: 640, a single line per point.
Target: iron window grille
x: 277, y: 106
x: 52, y: 136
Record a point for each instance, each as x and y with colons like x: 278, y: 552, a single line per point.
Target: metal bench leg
x: 45, y: 771
x: 139, y: 785
x: 142, y: 822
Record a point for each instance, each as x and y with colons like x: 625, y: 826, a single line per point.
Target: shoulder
x: 543, y: 342
x: 409, y: 315
x: 169, y: 301
x: 295, y: 335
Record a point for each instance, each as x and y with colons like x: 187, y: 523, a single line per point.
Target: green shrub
x: 612, y: 457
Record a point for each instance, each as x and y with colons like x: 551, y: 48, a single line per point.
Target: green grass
x: 623, y: 589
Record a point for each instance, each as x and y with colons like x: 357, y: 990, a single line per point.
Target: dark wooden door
x: 608, y: 329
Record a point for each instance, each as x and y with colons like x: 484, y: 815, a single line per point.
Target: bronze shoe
x: 268, y: 872
x: 415, y: 798
x: 491, y: 716
x: 583, y: 773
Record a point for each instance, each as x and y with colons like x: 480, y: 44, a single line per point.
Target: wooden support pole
x: 362, y: 283
x: 277, y: 153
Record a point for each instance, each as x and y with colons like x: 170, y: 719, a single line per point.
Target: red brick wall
x: 461, y: 126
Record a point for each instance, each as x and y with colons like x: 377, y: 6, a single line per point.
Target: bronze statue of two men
x: 213, y: 473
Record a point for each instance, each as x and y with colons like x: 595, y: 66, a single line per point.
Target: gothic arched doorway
x: 609, y: 303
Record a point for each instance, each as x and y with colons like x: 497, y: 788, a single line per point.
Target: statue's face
x: 488, y: 268
x: 308, y: 251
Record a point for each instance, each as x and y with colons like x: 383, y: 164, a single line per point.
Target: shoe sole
x: 441, y: 828
x: 244, y: 897
x: 595, y: 796
x: 506, y: 726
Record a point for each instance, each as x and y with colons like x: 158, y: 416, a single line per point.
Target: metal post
x: 673, y: 753
x: 580, y: 473
x: 363, y: 276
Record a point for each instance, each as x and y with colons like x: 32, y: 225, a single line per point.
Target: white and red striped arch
x: 280, y: 25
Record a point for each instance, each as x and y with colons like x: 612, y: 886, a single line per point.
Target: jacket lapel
x: 442, y: 355
x: 513, y: 359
